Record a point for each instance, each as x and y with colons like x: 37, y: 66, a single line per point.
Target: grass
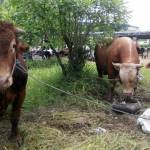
x: 86, y: 85
x: 146, y: 73
x: 52, y: 120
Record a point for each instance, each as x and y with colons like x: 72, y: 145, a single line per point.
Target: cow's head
x: 8, y: 43
x: 128, y: 73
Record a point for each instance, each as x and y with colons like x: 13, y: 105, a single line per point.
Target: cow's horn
x: 116, y: 64
x: 19, y: 30
x: 138, y: 65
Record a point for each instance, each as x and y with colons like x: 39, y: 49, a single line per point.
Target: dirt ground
x: 72, y: 122
x: 61, y: 127
x: 49, y: 128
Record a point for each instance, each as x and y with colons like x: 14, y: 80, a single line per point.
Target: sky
x: 140, y: 15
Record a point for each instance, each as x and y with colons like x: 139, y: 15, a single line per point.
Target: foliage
x: 80, y: 19
x: 70, y: 22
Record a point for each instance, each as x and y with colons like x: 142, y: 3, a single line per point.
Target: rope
x: 107, y: 108
x: 104, y: 79
x: 13, y: 68
x: 55, y: 88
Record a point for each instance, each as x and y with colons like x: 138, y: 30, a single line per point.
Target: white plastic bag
x: 144, y: 121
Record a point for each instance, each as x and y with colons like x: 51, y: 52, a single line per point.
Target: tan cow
x: 119, y: 59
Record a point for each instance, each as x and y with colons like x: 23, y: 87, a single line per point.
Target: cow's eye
x: 14, y: 46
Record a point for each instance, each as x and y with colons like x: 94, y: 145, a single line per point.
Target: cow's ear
x: 22, y: 47
x: 116, y: 65
x: 19, y: 31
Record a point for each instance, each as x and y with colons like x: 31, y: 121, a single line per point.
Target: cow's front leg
x: 3, y: 106
x: 111, y: 89
x: 5, y: 101
x: 15, y: 115
x: 3, y: 109
x: 111, y: 76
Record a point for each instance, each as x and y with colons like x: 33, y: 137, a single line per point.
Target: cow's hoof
x: 17, y: 140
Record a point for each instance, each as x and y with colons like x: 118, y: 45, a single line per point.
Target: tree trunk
x: 76, y: 55
x: 59, y: 60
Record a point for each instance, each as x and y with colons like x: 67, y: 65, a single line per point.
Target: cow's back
x: 121, y: 50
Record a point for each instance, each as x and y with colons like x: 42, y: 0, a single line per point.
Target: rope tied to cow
x: 107, y: 106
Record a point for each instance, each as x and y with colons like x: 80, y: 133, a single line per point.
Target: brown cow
x: 119, y: 59
x: 12, y: 79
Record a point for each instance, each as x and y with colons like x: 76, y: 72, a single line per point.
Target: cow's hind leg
x: 15, y: 115
x: 100, y: 72
x: 99, y: 69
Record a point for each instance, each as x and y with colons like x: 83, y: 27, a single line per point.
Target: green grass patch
x: 85, y: 85
x: 39, y: 91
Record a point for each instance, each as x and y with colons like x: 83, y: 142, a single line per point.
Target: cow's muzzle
x: 129, y: 97
x: 128, y: 94
x: 5, y: 82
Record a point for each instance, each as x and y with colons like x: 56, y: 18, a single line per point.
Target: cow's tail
x: 96, y: 60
